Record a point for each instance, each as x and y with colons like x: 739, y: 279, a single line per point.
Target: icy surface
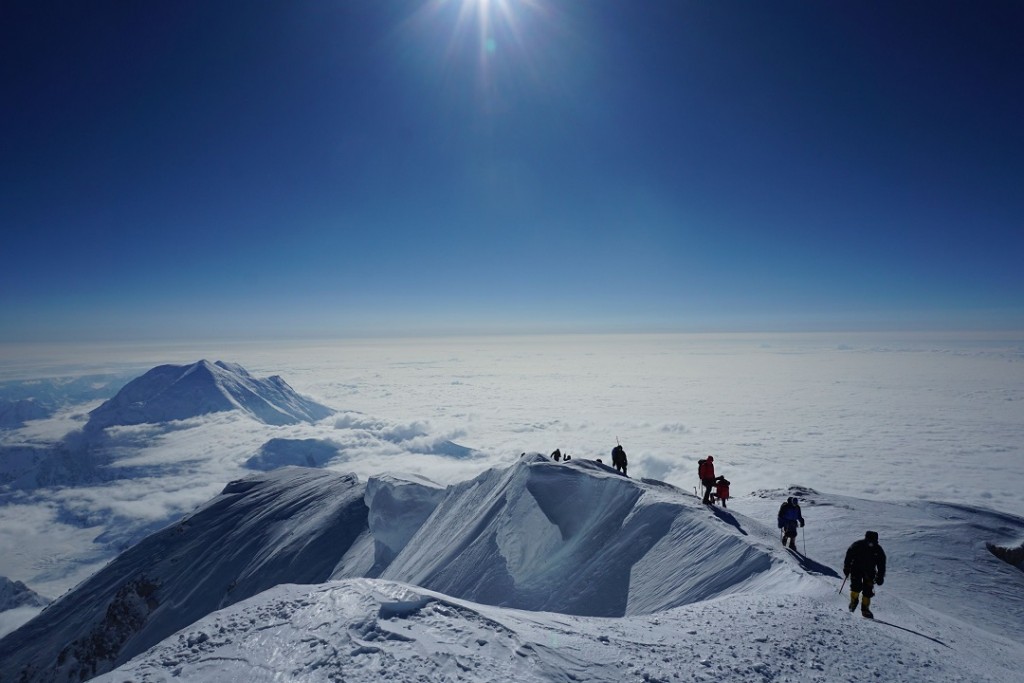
x: 550, y: 571
x: 293, y: 525
x: 920, y: 440
x: 398, y: 507
x: 361, y: 630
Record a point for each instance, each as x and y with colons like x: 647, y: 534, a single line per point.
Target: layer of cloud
x: 898, y: 418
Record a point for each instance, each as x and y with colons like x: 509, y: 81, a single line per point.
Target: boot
x: 854, y: 597
x: 865, y: 612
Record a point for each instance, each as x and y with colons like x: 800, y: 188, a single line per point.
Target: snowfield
x: 184, y: 543
x: 364, y: 630
x: 540, y: 571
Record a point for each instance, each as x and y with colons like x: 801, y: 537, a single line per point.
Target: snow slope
x: 76, y: 496
x: 177, y: 392
x: 398, y: 507
x: 588, y: 576
x: 293, y: 525
x: 938, y: 554
x: 958, y: 621
x: 580, y: 539
x: 368, y: 631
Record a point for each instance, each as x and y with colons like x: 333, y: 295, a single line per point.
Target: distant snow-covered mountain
x: 301, y: 452
x: 22, y: 401
x: 178, y: 392
x: 15, y: 414
x: 68, y: 463
x: 14, y: 594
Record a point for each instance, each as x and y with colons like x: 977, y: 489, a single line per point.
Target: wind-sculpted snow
x: 939, y: 553
x: 399, y: 505
x: 700, y: 592
x: 576, y: 538
x: 363, y: 631
x: 290, y: 526
x: 177, y: 392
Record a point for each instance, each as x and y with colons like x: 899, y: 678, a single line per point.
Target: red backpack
x: 705, y: 469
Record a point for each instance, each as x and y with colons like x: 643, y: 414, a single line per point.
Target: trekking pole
x: 844, y: 583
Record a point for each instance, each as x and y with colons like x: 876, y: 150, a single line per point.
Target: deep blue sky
x: 209, y: 169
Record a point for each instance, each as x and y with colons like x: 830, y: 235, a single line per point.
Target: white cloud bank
x: 894, y: 418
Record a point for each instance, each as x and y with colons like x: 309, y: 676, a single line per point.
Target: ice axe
x: 844, y: 583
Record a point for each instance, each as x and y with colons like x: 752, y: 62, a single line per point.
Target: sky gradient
x: 293, y: 169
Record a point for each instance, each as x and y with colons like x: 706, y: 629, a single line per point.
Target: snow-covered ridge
x: 577, y: 539
x: 366, y: 631
x: 567, y: 541
x: 289, y: 526
x: 178, y: 392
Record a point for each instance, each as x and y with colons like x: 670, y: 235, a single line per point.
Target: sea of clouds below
x: 896, y: 418
x: 893, y: 417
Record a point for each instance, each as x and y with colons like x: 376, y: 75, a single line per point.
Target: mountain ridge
x: 568, y: 540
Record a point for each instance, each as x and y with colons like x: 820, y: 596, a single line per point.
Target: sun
x: 491, y: 25
x: 491, y: 17
x: 505, y: 44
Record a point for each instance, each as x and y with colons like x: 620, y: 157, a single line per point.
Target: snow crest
x: 290, y: 526
x: 576, y: 538
x: 698, y: 592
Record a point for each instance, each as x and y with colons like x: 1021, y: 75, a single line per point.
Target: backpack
x: 702, y: 471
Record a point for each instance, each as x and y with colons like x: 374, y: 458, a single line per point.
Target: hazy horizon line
x: 953, y: 332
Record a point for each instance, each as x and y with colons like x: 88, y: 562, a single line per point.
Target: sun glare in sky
x: 487, y: 27
x: 400, y: 168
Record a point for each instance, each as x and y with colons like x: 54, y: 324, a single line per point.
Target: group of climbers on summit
x: 864, y: 563
x: 708, y: 480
